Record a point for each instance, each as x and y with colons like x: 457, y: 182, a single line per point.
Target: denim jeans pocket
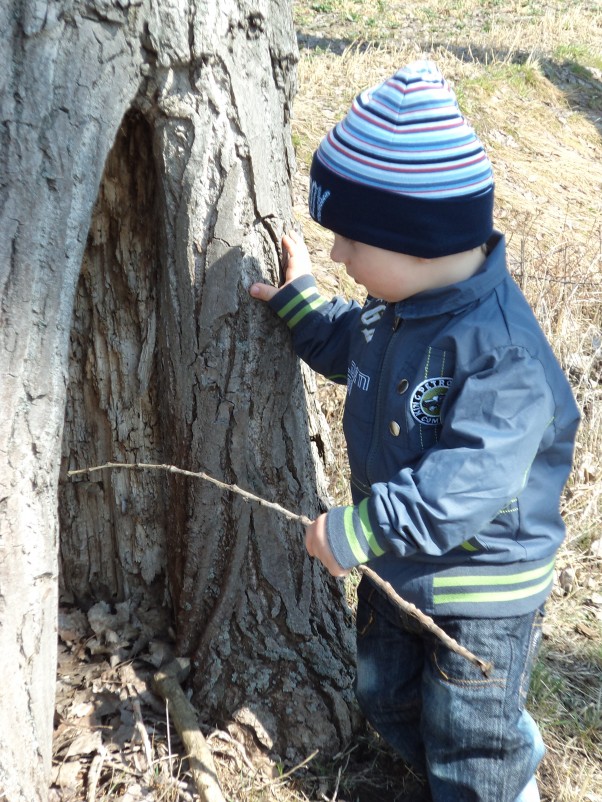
x: 454, y: 669
x: 485, y: 639
x: 364, y: 619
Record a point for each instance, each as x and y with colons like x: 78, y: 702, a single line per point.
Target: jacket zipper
x: 382, y: 381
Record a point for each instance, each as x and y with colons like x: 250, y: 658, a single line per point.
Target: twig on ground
x: 335, y: 793
x: 296, y: 768
x: 238, y: 747
x: 165, y: 682
x: 94, y: 773
x: 123, y: 768
x: 426, y: 621
x: 141, y: 730
x: 169, y: 752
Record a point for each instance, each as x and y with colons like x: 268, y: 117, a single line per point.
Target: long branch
x: 196, y: 475
x: 426, y: 621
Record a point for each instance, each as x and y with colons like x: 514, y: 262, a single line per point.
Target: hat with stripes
x: 404, y: 171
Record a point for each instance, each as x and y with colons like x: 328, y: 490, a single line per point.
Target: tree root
x: 166, y: 683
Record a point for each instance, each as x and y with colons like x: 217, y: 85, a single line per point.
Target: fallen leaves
x: 110, y: 737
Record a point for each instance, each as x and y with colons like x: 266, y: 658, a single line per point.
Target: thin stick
x: 426, y: 621
x: 169, y: 753
x: 195, y: 475
x: 94, y: 773
x: 165, y: 682
x: 141, y: 729
x: 290, y: 772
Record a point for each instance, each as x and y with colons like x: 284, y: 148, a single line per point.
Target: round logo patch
x: 427, y: 400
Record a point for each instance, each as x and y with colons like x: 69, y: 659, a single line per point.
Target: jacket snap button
x: 394, y: 428
x: 403, y: 386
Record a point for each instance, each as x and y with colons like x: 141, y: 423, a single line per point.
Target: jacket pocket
x: 417, y: 399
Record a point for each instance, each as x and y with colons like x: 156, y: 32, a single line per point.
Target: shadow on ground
x: 581, y: 85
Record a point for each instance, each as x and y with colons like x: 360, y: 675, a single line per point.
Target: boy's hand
x: 296, y: 263
x: 317, y: 545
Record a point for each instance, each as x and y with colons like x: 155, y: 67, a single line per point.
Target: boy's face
x: 385, y: 274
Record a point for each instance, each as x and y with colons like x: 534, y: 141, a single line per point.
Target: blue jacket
x: 460, y: 427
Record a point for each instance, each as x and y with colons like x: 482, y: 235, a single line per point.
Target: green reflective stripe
x: 468, y: 546
x: 336, y: 376
x: 299, y: 298
x: 305, y: 311
x: 493, y: 596
x: 367, y: 527
x: 354, y: 544
x: 511, y: 579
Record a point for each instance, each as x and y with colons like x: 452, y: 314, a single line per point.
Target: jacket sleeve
x: 493, y: 427
x: 320, y: 328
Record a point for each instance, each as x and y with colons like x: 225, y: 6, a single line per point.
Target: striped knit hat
x: 404, y: 171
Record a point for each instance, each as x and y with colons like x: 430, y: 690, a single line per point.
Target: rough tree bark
x: 144, y: 163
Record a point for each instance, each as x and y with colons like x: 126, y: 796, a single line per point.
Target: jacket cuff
x: 351, y: 537
x: 293, y: 302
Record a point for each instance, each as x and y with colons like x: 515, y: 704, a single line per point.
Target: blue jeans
x: 469, y: 734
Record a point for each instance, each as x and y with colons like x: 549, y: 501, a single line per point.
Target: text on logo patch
x: 427, y: 399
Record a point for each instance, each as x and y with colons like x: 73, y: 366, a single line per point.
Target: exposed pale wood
x: 94, y: 773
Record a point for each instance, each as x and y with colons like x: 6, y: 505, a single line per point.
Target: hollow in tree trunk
x: 146, y: 155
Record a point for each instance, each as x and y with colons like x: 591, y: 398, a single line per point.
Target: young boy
x: 459, y: 426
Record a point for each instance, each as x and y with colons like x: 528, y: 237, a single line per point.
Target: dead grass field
x: 528, y: 76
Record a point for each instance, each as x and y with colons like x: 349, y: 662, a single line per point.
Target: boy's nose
x: 337, y: 252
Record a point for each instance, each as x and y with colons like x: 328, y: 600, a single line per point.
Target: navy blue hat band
x: 415, y: 226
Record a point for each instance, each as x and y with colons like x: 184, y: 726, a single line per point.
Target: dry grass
x: 529, y: 77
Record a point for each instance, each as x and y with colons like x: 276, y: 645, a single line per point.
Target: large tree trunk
x: 148, y: 144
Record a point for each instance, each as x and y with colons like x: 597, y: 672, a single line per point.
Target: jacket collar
x: 456, y: 297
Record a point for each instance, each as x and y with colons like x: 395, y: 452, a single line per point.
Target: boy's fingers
x: 316, y: 544
x: 293, y: 236
x: 293, y: 243
x: 295, y: 263
x: 288, y: 246
x: 263, y: 292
